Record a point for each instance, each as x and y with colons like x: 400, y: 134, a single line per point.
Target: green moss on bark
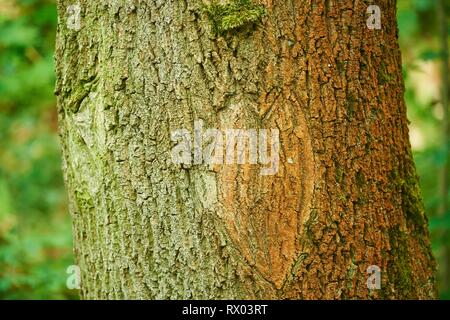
x: 233, y: 15
x: 399, y: 268
x: 412, y: 204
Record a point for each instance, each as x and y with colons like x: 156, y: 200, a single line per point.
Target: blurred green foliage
x: 422, y: 58
x: 35, y: 232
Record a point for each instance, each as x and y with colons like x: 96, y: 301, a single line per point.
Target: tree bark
x: 345, y: 196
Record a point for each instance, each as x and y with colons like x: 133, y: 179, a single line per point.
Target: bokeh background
x: 35, y: 230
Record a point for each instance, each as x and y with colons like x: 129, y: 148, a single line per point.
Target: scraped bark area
x: 344, y: 197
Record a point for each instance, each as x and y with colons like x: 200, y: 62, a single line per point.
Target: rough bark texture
x: 346, y: 194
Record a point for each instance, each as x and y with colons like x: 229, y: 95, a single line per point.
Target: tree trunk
x: 343, y: 197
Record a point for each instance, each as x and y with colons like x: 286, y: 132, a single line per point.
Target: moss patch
x: 411, y: 199
x: 399, y: 268
x: 233, y: 15
x: 350, y: 106
x: 339, y: 173
x: 383, y: 75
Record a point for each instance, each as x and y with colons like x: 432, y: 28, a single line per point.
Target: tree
x: 162, y: 105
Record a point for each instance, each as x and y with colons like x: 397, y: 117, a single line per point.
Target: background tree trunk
x: 345, y: 196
